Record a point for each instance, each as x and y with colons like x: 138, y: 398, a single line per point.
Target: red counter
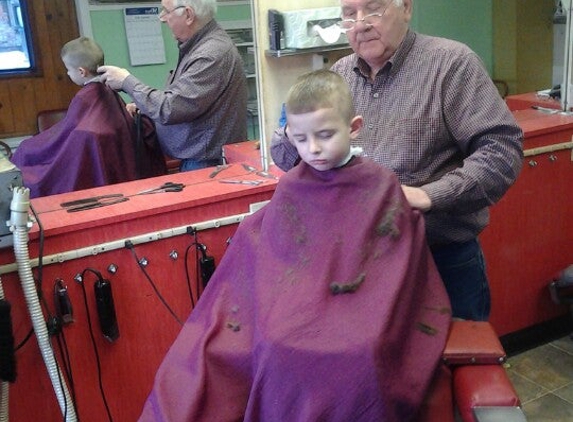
x: 530, y: 236
x: 146, y: 326
x: 531, y: 99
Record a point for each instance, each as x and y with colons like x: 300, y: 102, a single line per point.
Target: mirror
x: 104, y: 23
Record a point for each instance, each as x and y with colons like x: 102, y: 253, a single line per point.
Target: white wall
x: 276, y: 75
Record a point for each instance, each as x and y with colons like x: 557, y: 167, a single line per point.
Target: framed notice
x: 144, y: 36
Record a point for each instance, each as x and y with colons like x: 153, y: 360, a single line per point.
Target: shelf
x: 296, y: 52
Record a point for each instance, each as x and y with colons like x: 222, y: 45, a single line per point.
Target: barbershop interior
x: 176, y: 247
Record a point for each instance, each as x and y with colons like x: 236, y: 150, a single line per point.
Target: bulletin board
x: 144, y: 37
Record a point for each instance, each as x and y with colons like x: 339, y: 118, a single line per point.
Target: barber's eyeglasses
x: 368, y: 20
x: 164, y: 12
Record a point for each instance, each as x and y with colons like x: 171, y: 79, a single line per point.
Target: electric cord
x: 129, y: 245
x: 54, y: 325
x: 187, y: 276
x: 24, y: 341
x: 199, y: 248
x: 65, y: 358
x: 66, y: 362
x: 96, y: 352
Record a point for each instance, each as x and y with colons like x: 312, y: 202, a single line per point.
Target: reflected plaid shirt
x: 204, y: 103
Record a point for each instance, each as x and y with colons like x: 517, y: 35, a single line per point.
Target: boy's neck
x: 92, y: 79
x: 352, y: 151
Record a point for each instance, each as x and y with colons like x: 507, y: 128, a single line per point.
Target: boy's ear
x: 356, y: 126
x: 83, y: 71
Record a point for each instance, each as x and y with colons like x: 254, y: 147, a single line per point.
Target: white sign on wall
x: 144, y: 36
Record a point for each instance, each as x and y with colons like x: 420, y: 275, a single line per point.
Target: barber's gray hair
x: 204, y: 9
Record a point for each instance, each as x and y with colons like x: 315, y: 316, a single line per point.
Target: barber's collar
x: 185, y: 46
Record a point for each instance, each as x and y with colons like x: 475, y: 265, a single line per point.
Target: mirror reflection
x: 522, y: 48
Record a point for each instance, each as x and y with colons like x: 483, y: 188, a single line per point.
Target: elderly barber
x: 432, y: 115
x: 204, y: 103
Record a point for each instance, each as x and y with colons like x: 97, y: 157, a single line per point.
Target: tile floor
x: 543, y: 378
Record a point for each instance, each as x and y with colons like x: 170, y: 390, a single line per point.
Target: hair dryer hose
x: 19, y: 215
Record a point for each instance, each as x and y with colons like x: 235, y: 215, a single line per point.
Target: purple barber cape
x: 327, y: 306
x: 94, y: 145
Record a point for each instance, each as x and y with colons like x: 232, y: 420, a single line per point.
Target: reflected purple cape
x: 94, y: 145
x: 327, y: 306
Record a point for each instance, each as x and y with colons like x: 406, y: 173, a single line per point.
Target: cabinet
x: 241, y: 32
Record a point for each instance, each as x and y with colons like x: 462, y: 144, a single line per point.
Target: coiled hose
x: 20, y: 225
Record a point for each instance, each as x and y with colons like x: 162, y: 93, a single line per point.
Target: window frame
x: 29, y: 39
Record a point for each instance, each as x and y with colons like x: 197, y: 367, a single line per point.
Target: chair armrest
x: 482, y: 385
x: 473, y: 342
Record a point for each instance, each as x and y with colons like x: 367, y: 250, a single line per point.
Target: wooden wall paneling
x: 64, y: 12
x: 6, y: 115
x: 22, y: 99
x: 53, y: 23
x: 42, y: 45
x: 62, y: 27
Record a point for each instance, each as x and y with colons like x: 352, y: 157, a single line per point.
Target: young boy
x: 96, y: 142
x: 82, y: 57
x: 321, y: 121
x: 327, y: 305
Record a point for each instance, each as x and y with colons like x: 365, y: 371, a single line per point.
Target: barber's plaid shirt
x: 204, y: 103
x: 435, y: 118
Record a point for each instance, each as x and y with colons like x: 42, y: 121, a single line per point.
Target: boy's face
x: 76, y: 74
x: 322, y: 137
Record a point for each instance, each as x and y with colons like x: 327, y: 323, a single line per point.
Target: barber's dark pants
x: 462, y: 268
x: 188, y: 164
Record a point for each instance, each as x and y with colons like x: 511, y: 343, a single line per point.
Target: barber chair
x: 48, y: 118
x: 471, y: 384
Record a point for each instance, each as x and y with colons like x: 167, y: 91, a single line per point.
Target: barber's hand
x: 417, y: 198
x: 131, y: 109
x: 113, y: 76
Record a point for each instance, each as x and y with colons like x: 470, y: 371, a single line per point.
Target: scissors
x: 166, y: 187
x: 243, y: 182
x: 219, y: 169
x: 249, y: 168
x: 94, y: 202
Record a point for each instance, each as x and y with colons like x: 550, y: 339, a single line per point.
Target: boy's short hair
x: 83, y: 52
x: 320, y: 89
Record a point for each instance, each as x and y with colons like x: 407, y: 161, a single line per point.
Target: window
x: 16, y: 53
